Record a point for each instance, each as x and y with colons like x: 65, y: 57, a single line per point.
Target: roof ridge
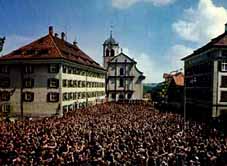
x: 60, y: 53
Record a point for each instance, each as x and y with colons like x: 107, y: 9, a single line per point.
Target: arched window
x: 107, y: 52
x: 112, y: 52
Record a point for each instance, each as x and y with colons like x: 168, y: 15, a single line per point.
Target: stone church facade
x: 123, y: 78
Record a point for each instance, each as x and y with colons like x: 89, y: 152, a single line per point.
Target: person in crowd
x: 112, y: 134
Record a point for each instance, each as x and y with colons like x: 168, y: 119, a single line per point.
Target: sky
x: 156, y: 33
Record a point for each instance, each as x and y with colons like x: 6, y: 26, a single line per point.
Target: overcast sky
x: 157, y: 33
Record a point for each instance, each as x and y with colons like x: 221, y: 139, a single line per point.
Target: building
x: 175, y: 91
x: 206, y: 79
x: 123, y: 79
x: 169, y: 94
x: 49, y: 76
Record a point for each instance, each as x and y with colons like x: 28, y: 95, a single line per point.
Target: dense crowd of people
x: 112, y: 134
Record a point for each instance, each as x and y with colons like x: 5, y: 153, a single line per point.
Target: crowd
x: 112, y: 134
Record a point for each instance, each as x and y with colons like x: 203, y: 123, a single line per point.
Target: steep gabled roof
x: 51, y: 47
x: 218, y: 42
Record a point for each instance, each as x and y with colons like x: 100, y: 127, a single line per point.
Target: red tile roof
x: 179, y: 79
x: 218, y: 42
x: 52, y: 47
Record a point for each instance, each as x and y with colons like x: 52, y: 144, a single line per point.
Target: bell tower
x: 110, y: 49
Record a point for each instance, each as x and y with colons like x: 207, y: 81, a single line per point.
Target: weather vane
x: 2, y: 41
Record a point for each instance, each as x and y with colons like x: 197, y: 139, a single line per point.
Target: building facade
x: 49, y: 76
x: 206, y: 79
x: 123, y: 79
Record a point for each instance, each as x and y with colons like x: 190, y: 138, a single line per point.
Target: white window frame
x: 224, y: 66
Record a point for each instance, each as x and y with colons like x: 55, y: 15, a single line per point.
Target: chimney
x: 74, y: 42
x: 63, y: 36
x: 56, y: 35
x: 51, y: 30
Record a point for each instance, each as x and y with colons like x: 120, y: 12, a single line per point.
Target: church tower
x: 110, y: 49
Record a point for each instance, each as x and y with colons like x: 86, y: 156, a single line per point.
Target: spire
x: 111, y: 31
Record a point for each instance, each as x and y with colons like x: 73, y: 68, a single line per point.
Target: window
x: 70, y: 70
x: 223, y: 96
x: 74, y: 96
x: 113, y: 96
x: 224, y: 53
x: 6, y: 108
x: 224, y: 81
x: 107, y: 52
x: 64, y: 69
x: 28, y: 69
x: 70, y: 96
x: 64, y: 83
x: 224, y: 66
x: 129, y: 96
x: 65, y: 96
x: 4, y: 69
x: 53, y: 83
x: 121, y: 71
x: 79, y: 95
x: 70, y: 83
x: 112, y: 52
x: 28, y: 96
x: 79, y: 84
x: 28, y: 83
x: 53, y: 68
x: 5, y: 96
x: 121, y: 82
x: 75, y: 83
x: 4, y: 82
x: 53, y: 97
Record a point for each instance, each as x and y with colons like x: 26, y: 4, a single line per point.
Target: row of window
x: 82, y: 84
x: 204, y: 94
x: 198, y: 69
x: 29, y: 96
x: 199, y: 81
x: 29, y: 83
x: 53, y: 68
x: 74, y: 70
x: 81, y: 95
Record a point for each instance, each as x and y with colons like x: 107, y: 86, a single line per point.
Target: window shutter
x: 48, y: 97
x: 48, y: 83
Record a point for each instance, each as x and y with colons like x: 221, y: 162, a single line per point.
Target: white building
x: 49, y: 76
x: 123, y: 79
